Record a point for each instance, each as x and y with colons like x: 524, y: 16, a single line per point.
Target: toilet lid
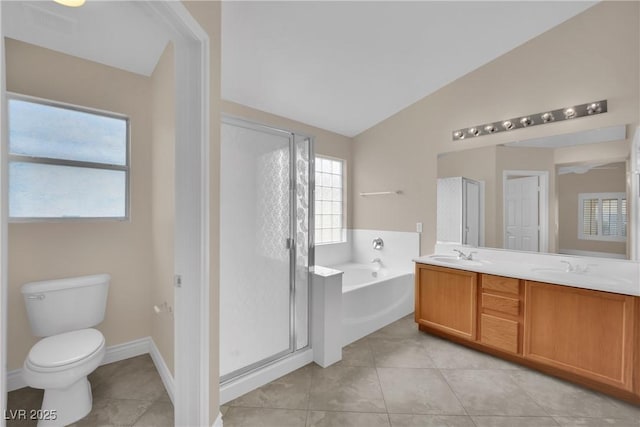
x: 63, y: 349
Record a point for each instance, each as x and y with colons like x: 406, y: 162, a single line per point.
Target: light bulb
x: 547, y: 117
x: 526, y: 121
x: 508, y: 125
x: 474, y: 131
x: 490, y: 129
x: 569, y: 113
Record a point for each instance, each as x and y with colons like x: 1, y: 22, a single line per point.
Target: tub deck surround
x: 603, y: 274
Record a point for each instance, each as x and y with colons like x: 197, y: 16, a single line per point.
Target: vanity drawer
x: 501, y: 284
x: 502, y: 304
x: 499, y: 333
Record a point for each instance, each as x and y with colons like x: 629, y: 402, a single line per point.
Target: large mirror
x: 561, y: 194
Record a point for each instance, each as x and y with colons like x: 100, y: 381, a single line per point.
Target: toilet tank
x: 63, y: 305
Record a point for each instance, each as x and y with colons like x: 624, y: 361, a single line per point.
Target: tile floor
x: 396, y: 377
x: 125, y: 393
x: 401, y: 377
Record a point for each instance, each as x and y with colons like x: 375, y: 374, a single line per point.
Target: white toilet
x: 64, y: 312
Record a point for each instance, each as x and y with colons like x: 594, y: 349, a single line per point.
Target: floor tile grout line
x: 375, y: 367
x: 444, y: 378
x: 524, y: 390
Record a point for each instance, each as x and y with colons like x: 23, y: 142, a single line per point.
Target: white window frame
x: 343, y: 213
x: 599, y: 236
x: 75, y: 163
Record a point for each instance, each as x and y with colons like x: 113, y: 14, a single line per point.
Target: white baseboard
x: 162, y: 368
x: 218, y: 421
x: 116, y: 353
x: 253, y: 380
x: 127, y: 350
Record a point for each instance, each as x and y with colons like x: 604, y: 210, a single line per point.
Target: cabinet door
x: 589, y: 333
x: 446, y: 300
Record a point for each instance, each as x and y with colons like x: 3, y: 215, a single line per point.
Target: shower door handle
x: 290, y: 243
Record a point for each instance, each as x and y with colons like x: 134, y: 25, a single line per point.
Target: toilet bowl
x: 59, y: 364
x: 63, y: 312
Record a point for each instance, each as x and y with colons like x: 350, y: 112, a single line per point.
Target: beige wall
x: 163, y: 130
x: 325, y: 142
x: 594, y: 181
x: 48, y: 250
x: 561, y: 67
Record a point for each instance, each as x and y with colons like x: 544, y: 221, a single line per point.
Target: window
x: 66, y: 162
x: 602, y: 216
x: 329, y: 219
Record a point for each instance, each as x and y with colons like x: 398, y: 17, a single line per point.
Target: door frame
x: 633, y: 196
x: 192, y: 205
x: 543, y: 205
x: 4, y: 212
x: 192, y: 248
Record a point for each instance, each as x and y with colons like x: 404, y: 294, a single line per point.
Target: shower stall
x: 266, y: 220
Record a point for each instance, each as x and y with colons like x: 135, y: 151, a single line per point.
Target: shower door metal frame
x: 290, y: 242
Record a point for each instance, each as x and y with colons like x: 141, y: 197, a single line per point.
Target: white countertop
x: 617, y: 276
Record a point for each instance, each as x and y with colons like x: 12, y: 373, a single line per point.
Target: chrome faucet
x: 378, y: 244
x: 376, y: 260
x: 569, y: 266
x: 462, y: 255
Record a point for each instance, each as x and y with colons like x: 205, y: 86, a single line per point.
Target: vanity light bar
x: 545, y: 117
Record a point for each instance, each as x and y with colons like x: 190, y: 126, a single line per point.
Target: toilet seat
x: 63, y: 351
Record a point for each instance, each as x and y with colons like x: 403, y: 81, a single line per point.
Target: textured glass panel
x: 41, y: 130
x: 50, y: 191
x: 255, y: 294
x: 329, y: 195
x: 302, y: 148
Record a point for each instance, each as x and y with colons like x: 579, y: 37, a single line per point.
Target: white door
x: 521, y: 220
x: 471, y: 231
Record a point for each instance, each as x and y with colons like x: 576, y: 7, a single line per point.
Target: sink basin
x: 455, y: 260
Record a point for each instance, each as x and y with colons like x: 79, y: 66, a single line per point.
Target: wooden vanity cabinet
x: 585, y: 332
x: 446, y: 300
x: 585, y: 336
x: 500, y: 313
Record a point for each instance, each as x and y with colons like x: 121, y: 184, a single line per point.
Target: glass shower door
x: 256, y: 291
x: 266, y: 219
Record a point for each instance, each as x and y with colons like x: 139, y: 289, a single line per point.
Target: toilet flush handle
x: 36, y: 296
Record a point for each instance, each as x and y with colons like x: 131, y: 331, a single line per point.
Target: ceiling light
x: 70, y: 3
x: 569, y: 113
x: 549, y: 116
x: 526, y: 121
